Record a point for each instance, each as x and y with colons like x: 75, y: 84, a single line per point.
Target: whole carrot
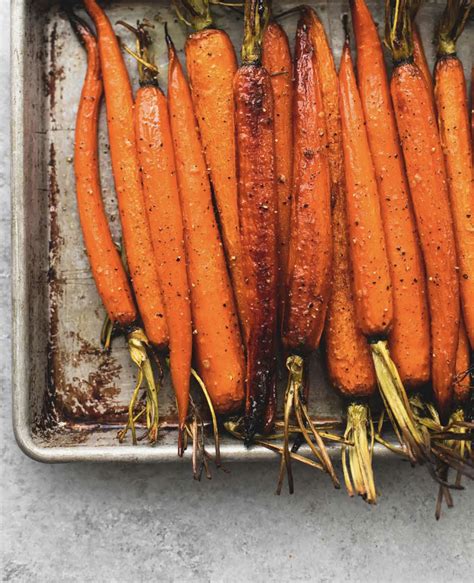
x: 254, y: 126
x: 310, y: 254
x: 126, y: 171
x: 348, y: 358
x: 371, y: 275
x: 211, y: 65
x: 309, y: 279
x: 158, y: 168
x: 453, y: 122
x: 216, y: 336
x: 428, y: 185
x: 276, y: 58
x: 106, y: 265
x: 409, y: 336
x: 372, y: 284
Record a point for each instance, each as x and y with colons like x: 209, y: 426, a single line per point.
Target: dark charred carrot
x: 106, y: 264
x: 426, y: 173
x: 453, y: 122
x: 126, y: 171
x: 409, y: 336
x: 254, y: 125
x: 217, y: 341
x: 276, y: 58
x: 160, y: 187
x: 310, y: 253
x: 348, y: 358
x: 211, y: 65
x: 371, y: 275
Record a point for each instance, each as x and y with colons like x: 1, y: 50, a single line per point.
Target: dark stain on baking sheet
x: 55, y: 365
x: 91, y: 397
x: 55, y: 73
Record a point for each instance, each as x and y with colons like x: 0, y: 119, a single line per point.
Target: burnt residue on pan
x: 84, y: 398
x: 91, y: 398
x: 55, y: 370
x: 55, y: 73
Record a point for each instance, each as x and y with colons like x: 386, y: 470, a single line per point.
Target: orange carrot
x: 126, y: 171
x: 310, y: 254
x: 349, y: 362
x: 371, y: 279
x: 109, y: 274
x: 348, y: 357
x: 453, y: 121
x: 158, y: 168
x: 276, y: 58
x: 427, y: 179
x: 106, y: 264
x: 254, y: 124
x: 371, y: 276
x: 409, y: 337
x: 217, y: 342
x: 211, y: 65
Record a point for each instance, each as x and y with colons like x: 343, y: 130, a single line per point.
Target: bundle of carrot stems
x: 283, y: 207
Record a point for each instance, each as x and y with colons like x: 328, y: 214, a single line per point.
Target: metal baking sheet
x: 69, y: 396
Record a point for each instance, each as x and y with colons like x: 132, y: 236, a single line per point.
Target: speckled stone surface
x: 77, y: 523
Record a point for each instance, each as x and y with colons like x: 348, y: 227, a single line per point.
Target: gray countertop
x: 122, y: 523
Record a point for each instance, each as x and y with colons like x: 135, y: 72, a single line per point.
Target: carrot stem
x: 358, y: 473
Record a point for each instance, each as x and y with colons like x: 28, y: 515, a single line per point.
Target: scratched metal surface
x: 70, y: 396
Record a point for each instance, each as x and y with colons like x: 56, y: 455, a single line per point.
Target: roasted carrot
x: 371, y: 279
x: 254, y: 125
x: 348, y: 358
x: 211, y: 65
x: 409, y: 336
x: 310, y: 254
x: 453, y: 122
x: 371, y: 275
x: 126, y: 171
x: 349, y: 362
x: 109, y: 274
x: 216, y: 336
x: 426, y: 173
x: 105, y: 261
x: 276, y: 58
x: 160, y: 187
x: 309, y: 278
